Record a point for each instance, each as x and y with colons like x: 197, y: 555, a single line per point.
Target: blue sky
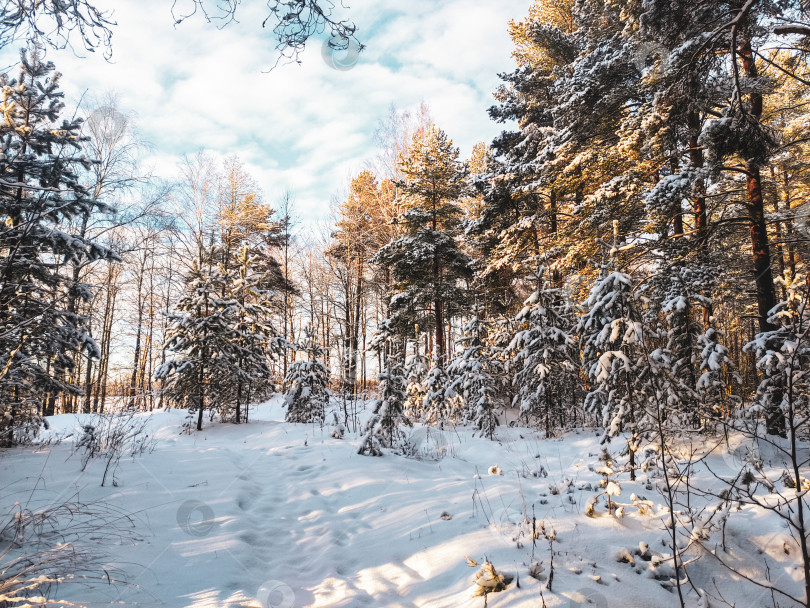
x: 307, y: 128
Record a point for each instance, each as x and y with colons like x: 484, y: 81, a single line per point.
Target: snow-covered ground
x: 275, y: 515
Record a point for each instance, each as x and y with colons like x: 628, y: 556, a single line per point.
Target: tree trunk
x: 104, y: 364
x: 136, y: 358
x: 696, y: 160
x: 439, y: 321
x: 147, y: 372
x: 348, y: 383
x: 780, y: 254
x: 356, y: 324
x: 88, y: 387
x: 203, y: 363
x: 49, y: 408
x: 677, y: 212
x: 766, y: 294
x: 286, y: 307
x: 699, y: 203
x: 239, y: 397
x: 556, y: 275
x: 201, y: 404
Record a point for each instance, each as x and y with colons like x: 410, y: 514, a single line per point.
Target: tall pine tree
x: 427, y: 264
x: 41, y: 166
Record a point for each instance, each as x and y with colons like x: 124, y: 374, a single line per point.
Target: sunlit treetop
x: 544, y: 17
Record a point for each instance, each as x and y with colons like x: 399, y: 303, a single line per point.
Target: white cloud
x: 307, y: 127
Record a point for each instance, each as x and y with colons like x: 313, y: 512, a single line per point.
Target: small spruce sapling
x: 545, y: 355
x: 307, y: 380
x: 440, y: 400
x: 613, y: 336
x: 415, y: 372
x: 384, y: 427
x: 717, y: 374
x: 473, y: 377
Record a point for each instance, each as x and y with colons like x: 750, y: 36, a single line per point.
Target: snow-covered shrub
x: 488, y: 580
x: 64, y: 543
x: 113, y: 436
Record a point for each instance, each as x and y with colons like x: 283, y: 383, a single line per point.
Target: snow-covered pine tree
x: 718, y: 92
x: 384, y: 428
x: 221, y: 331
x: 596, y: 167
x: 783, y: 357
x: 41, y: 166
x: 612, y: 333
x: 500, y: 337
x: 307, y: 380
x: 546, y: 357
x: 515, y: 212
x: 415, y: 372
x: 440, y: 402
x: 676, y: 296
x: 473, y: 375
x: 637, y: 382
x: 205, y: 343
x: 495, y: 265
x: 717, y: 375
x: 427, y: 264
x: 258, y: 340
